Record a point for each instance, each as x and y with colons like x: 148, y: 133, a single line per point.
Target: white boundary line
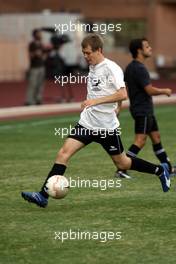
x: 59, y: 120
x: 39, y: 109
x: 22, y: 111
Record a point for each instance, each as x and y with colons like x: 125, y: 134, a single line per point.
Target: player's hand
x: 88, y: 103
x: 117, y: 111
x: 168, y: 91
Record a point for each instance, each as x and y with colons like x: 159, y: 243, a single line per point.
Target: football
x: 57, y: 186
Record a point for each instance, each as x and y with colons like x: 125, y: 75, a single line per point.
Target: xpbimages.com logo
x: 103, y: 133
x: 82, y: 79
x: 101, y: 28
x: 103, y: 184
x: 102, y: 236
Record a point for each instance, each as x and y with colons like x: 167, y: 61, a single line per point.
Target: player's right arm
x: 119, y: 107
x: 120, y: 95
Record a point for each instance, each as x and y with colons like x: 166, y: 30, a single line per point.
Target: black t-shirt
x: 37, y: 60
x: 137, y: 77
x: 55, y: 65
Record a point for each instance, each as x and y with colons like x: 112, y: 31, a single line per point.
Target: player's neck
x: 140, y: 59
x: 100, y: 59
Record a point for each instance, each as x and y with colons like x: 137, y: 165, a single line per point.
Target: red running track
x: 13, y: 93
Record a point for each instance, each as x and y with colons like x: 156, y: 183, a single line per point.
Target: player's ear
x: 139, y: 50
x: 100, y: 50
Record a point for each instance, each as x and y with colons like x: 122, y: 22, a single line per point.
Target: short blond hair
x: 93, y: 40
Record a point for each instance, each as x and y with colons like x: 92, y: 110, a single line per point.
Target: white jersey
x: 104, y: 79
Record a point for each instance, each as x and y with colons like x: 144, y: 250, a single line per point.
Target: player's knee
x: 156, y: 139
x: 140, y: 142
x: 123, y: 166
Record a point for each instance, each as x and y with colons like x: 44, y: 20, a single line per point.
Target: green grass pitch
x: 145, y: 216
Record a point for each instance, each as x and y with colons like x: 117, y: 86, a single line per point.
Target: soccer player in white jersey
x: 98, y: 121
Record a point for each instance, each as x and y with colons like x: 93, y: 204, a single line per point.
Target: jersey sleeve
x: 117, y: 76
x: 143, y: 77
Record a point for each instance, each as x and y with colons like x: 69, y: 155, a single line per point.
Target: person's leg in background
x: 40, y: 85
x: 141, y: 126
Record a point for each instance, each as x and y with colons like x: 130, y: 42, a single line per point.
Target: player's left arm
x: 145, y: 82
x: 154, y: 91
x: 119, y: 95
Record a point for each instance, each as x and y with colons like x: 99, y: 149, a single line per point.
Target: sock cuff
x: 157, y: 146
x: 58, y: 169
x: 133, y: 151
x: 159, y: 170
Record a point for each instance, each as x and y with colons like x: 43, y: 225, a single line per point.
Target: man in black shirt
x: 140, y: 91
x: 37, y: 70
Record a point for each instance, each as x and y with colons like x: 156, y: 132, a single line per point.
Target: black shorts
x: 110, y: 140
x: 145, y: 124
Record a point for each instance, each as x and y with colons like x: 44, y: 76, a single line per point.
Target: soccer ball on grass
x: 57, y: 186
